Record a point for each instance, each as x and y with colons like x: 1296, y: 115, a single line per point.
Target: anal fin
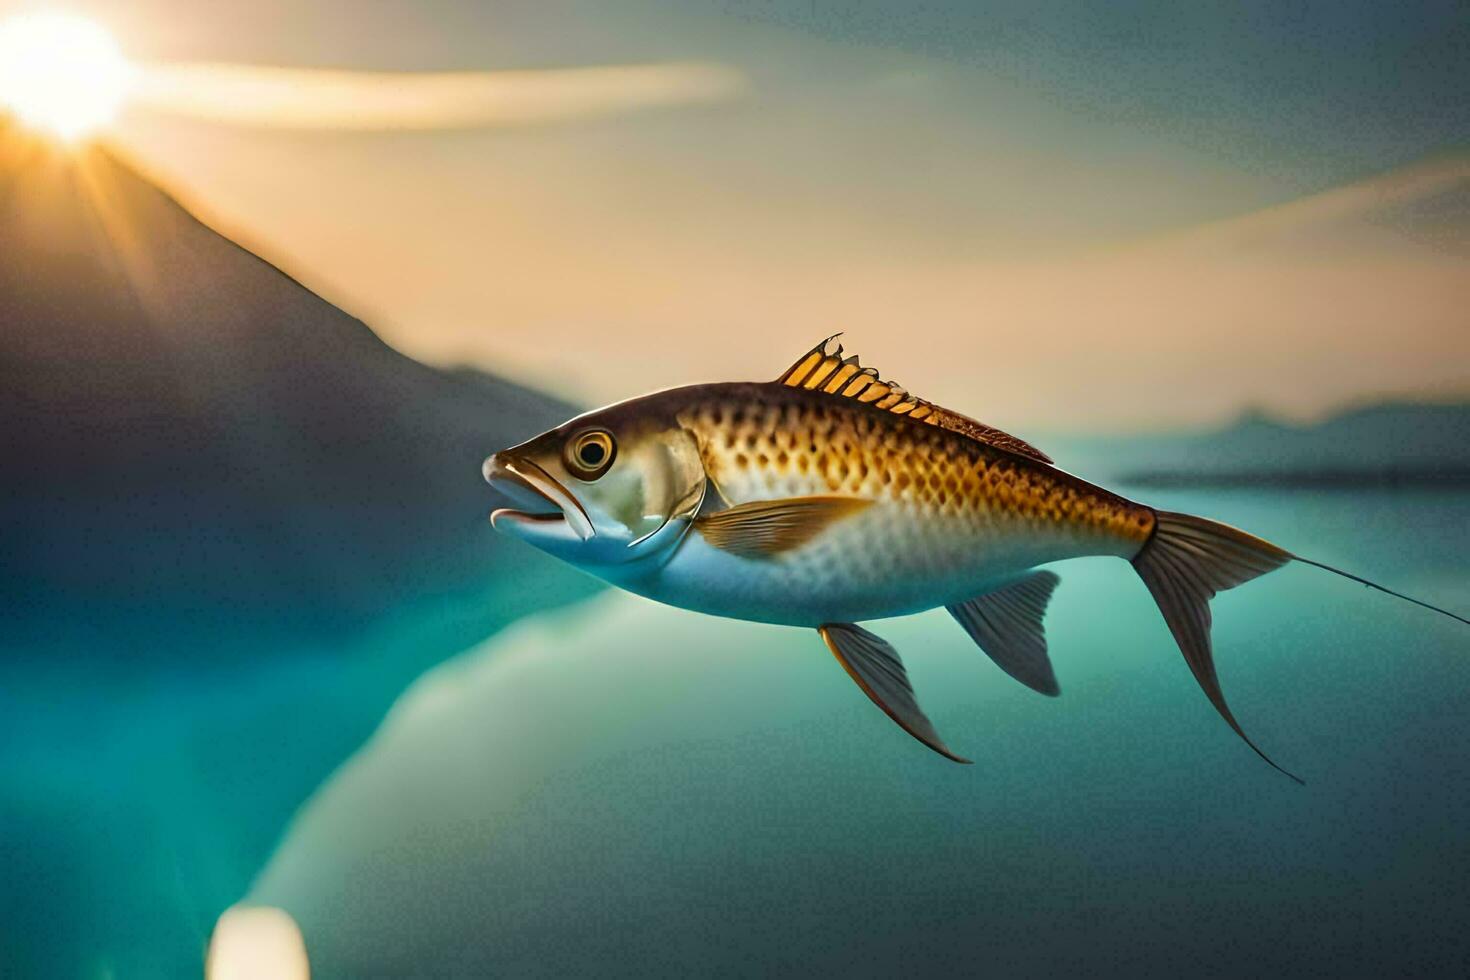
x: 1007, y: 625
x: 877, y: 669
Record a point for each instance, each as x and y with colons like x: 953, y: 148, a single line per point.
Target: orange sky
x: 993, y: 245
x: 600, y: 279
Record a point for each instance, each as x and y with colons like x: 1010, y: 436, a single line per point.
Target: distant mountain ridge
x: 1388, y: 444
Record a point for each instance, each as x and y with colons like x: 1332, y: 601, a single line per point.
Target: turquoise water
x: 621, y: 787
x: 150, y: 756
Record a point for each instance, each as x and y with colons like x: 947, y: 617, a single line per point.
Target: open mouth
x: 537, y: 496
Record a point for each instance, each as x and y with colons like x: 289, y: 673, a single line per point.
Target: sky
x: 1061, y: 216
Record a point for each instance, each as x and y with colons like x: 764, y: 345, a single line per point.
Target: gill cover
x: 665, y: 487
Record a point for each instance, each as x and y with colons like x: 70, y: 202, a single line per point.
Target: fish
x: 831, y: 496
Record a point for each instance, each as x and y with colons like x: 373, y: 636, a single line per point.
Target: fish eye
x: 589, y: 454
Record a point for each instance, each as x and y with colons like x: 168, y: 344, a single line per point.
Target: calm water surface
x: 621, y: 787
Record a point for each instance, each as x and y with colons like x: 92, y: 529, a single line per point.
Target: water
x: 150, y: 756
x: 622, y: 787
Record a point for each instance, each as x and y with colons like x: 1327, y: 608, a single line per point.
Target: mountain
x: 236, y: 525
x: 183, y: 420
x: 1390, y: 444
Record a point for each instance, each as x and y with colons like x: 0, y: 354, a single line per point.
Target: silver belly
x: 886, y: 561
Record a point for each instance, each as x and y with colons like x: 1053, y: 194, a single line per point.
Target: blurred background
x: 276, y: 277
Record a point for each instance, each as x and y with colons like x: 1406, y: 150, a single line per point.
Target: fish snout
x: 492, y: 468
x: 535, y: 495
x: 512, y: 483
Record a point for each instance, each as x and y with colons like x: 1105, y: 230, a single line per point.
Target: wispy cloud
x: 1371, y: 201
x: 310, y: 98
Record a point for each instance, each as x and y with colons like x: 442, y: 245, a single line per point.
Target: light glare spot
x: 61, y: 73
x: 252, y: 943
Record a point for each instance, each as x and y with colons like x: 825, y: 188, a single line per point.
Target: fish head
x: 604, y: 491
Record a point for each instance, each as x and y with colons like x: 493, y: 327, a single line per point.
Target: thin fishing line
x: 1374, y: 585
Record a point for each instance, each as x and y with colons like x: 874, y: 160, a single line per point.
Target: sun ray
x: 115, y: 232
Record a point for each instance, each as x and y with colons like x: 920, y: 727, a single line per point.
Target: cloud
x: 312, y: 98
x: 1390, y: 200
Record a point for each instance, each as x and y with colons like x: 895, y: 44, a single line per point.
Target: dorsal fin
x: 829, y: 371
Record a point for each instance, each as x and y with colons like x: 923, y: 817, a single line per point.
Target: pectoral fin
x: 1007, y: 625
x: 875, y: 666
x: 765, y: 528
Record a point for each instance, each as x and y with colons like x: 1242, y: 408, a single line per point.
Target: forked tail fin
x: 1184, y: 564
x: 1189, y: 559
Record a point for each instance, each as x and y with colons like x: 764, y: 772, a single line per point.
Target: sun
x: 61, y: 72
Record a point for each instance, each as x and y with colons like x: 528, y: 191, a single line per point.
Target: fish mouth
x: 539, y: 498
